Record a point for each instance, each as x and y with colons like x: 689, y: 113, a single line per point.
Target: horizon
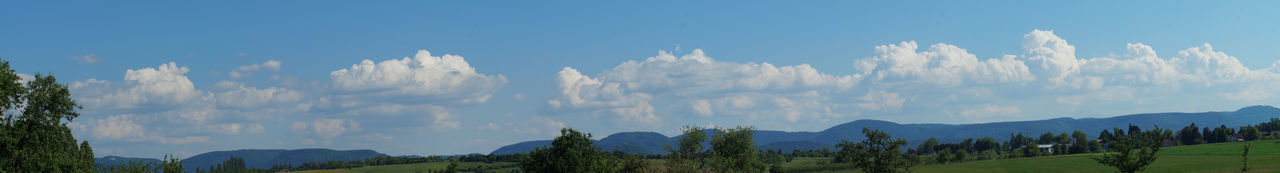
x: 442, y: 78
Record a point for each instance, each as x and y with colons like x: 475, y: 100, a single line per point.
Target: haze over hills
x: 651, y: 143
x: 255, y: 158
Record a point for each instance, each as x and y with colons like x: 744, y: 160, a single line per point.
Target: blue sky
x: 191, y: 77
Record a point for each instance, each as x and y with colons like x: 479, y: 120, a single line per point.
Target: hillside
x: 266, y: 158
x: 117, y: 160
x: 915, y: 133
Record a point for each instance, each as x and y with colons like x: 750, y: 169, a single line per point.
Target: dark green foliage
x: 633, y: 164
x: 131, y: 167
x: 777, y: 168
x: 36, y: 138
x: 1250, y: 133
x: 878, y: 153
x: 733, y: 150
x: 1079, y: 142
x: 1245, y: 155
x: 986, y: 143
x: 257, y: 158
x: 1190, y: 135
x: 928, y: 147
x: 689, y: 157
x: 171, y: 164
x: 1125, y: 158
x: 572, y: 151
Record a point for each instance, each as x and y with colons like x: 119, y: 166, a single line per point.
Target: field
x: 424, y: 167
x: 1220, y: 157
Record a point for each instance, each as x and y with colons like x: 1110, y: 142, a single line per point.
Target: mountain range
x: 255, y: 158
x: 652, y: 143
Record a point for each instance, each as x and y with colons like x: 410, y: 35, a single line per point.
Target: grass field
x: 424, y: 167
x: 1220, y: 157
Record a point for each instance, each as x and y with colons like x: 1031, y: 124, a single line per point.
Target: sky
x: 456, y: 77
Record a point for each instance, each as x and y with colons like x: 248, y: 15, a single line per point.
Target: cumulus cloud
x: 325, y: 128
x: 166, y: 85
x: 989, y: 110
x: 119, y: 127
x: 246, y: 71
x: 124, y: 128
x: 90, y: 58
x: 626, y: 90
x: 422, y: 77
x: 904, y: 79
x: 237, y: 95
x: 161, y: 104
x: 941, y: 65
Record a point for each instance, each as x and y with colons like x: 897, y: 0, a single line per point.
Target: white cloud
x: 237, y: 95
x: 90, y: 58
x: 941, y: 65
x: 702, y: 107
x: 627, y: 90
x: 163, y: 85
x: 447, y: 78
x: 580, y: 92
x: 245, y: 71
x: 1253, y: 93
x: 326, y: 128
x: 118, y: 127
x: 489, y: 127
x: 989, y: 110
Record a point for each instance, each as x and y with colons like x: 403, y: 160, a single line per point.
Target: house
x: 1045, y: 147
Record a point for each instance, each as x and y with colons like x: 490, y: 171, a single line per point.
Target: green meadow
x: 1218, y: 157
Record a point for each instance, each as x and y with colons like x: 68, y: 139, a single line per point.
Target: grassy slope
x: 423, y: 167
x: 1220, y: 157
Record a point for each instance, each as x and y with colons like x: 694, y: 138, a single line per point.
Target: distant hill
x: 649, y: 142
x: 111, y: 161
x: 267, y: 158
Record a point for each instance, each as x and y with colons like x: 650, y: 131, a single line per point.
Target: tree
x: 928, y: 147
x: 170, y: 164
x: 1106, y: 136
x: 452, y: 168
x: 1079, y: 142
x: 1245, y: 154
x: 572, y: 151
x: 1190, y: 135
x: 986, y: 143
x: 734, y: 150
x: 689, y: 157
x: 633, y: 164
x: 878, y: 153
x: 36, y: 138
x: 1125, y: 159
x: 1047, y: 138
x: 1250, y: 133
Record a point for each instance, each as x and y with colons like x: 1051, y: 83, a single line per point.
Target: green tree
x: 734, y: 150
x: 1245, y: 154
x: 689, y: 156
x: 633, y: 164
x: 36, y: 137
x: 986, y: 143
x: 1190, y: 135
x: 572, y: 151
x: 878, y: 153
x: 1125, y: 158
x: 452, y: 168
x: 171, y: 164
x: 928, y: 147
